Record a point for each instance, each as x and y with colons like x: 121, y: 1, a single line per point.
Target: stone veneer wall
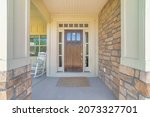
x: 16, y: 84
x: 134, y: 84
x: 125, y: 82
x: 109, y: 44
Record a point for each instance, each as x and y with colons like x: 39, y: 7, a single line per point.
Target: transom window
x: 65, y: 25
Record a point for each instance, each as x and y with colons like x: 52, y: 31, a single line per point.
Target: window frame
x: 39, y: 45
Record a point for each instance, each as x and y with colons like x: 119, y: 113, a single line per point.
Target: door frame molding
x: 62, y: 29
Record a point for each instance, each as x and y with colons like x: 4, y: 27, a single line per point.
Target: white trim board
x: 52, y: 43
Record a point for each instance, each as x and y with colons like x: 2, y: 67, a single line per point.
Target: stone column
x: 15, y: 76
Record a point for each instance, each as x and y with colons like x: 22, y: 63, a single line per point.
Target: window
x: 37, y: 44
x: 86, y: 25
x: 87, y: 49
x: 68, y: 36
x: 60, y: 54
x: 73, y: 36
x: 78, y: 37
x: 60, y: 25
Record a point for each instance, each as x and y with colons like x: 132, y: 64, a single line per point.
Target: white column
x: 3, y: 34
x: 147, y: 35
x: 135, y: 39
x: 14, y: 34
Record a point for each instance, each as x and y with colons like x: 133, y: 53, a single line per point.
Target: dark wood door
x: 73, y: 50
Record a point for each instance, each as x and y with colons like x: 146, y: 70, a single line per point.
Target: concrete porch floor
x: 44, y: 88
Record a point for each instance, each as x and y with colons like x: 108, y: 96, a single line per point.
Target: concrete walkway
x: 44, y: 88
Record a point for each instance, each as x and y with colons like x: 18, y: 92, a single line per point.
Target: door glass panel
x: 87, y: 37
x: 60, y: 61
x: 60, y: 37
x: 86, y: 61
x: 78, y: 37
x: 68, y: 36
x: 73, y: 36
x: 60, y: 49
x: 87, y: 49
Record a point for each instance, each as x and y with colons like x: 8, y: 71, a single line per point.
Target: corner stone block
x: 6, y: 76
x: 126, y: 70
x: 145, y: 76
x: 143, y: 88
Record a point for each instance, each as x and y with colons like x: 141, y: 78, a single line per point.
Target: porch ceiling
x: 74, y: 6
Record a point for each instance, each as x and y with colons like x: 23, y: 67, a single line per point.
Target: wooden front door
x: 73, y: 50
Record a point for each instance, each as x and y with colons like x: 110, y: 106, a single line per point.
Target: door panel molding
x: 73, y: 51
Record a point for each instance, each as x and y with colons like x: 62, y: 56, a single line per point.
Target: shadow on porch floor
x: 44, y: 88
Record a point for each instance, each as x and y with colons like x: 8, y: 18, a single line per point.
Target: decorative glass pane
x: 60, y: 49
x: 60, y: 37
x: 60, y: 61
x: 60, y: 25
x: 73, y: 36
x: 68, y: 36
x: 65, y: 25
x: 81, y: 25
x: 75, y: 25
x: 87, y: 49
x: 86, y: 25
x: 87, y: 37
x: 43, y: 49
x: 78, y: 37
x: 70, y: 25
x: 86, y: 61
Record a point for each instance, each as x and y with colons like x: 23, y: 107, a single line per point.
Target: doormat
x: 73, y: 82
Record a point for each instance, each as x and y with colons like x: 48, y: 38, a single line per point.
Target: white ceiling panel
x: 74, y: 6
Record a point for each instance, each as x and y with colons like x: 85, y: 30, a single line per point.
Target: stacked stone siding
x: 125, y: 82
x: 132, y: 84
x: 109, y: 45
x: 16, y: 84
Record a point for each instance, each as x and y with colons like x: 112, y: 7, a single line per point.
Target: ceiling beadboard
x: 74, y: 6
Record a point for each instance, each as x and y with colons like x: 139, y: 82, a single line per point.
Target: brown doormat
x: 73, y: 82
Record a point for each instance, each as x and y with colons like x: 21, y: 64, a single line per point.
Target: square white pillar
x: 14, y: 34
